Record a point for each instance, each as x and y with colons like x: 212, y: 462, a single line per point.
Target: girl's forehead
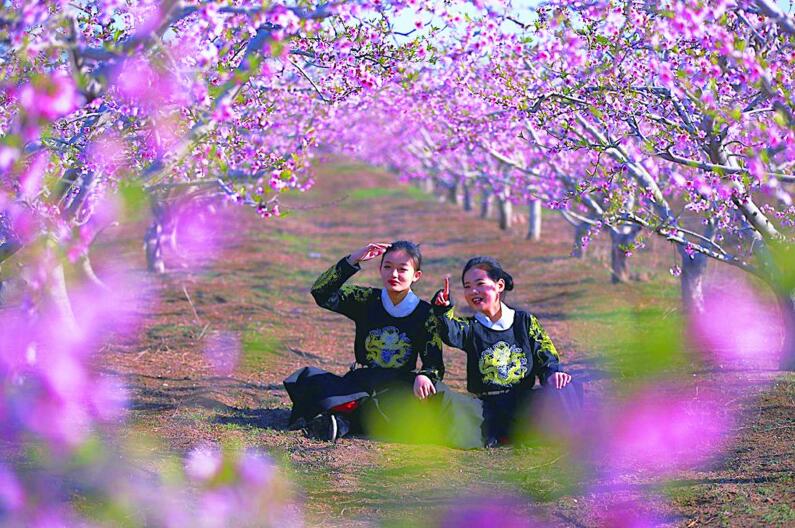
x: 398, y: 257
x: 476, y: 273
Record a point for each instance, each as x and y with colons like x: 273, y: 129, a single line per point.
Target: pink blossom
x: 256, y: 468
x: 224, y: 112
x: 222, y: 350
x: 108, y: 398
x: 141, y: 84
x: 285, y: 18
x: 164, y: 135
x: 663, y: 430
x: 148, y: 17
x: 106, y: 154
x: 24, y: 223
x: 8, y: 156
x: 199, y: 233
x: 485, y: 512
x: 203, y: 463
x: 629, y: 513
x: 31, y: 178
x: 218, y: 506
x: 49, y: 97
x: 737, y: 325
x: 12, y: 495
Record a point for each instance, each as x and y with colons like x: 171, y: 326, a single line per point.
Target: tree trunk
x: 452, y: 193
x: 426, y: 184
x: 9, y: 242
x: 692, y: 281
x: 787, y: 304
x: 619, y: 261
x: 579, y: 249
x: 506, y: 216
x: 56, y: 290
x: 154, y: 250
x: 440, y: 190
x: 88, y: 271
x: 534, y: 221
x: 486, y: 204
x: 467, y: 197
x: 153, y: 239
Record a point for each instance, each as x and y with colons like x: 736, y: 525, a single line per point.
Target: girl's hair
x: 411, y: 249
x: 492, y: 268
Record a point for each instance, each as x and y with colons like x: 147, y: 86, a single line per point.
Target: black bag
x: 313, y: 391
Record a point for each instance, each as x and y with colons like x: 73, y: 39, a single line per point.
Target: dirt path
x: 259, y: 289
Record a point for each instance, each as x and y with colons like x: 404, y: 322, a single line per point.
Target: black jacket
x: 381, y: 339
x: 500, y: 359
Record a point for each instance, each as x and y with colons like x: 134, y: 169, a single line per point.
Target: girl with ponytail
x: 506, y: 349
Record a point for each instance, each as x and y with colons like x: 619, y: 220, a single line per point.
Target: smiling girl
x: 393, y: 328
x: 506, y: 349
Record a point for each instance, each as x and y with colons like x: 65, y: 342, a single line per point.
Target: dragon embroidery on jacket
x: 388, y: 347
x: 503, y: 364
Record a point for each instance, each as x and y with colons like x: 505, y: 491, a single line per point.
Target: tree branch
x: 308, y: 78
x: 784, y: 21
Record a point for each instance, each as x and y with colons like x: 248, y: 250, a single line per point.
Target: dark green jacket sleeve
x: 329, y: 292
x: 453, y: 330
x: 431, y: 355
x: 546, y: 360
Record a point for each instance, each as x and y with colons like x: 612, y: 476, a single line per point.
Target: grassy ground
x: 259, y: 288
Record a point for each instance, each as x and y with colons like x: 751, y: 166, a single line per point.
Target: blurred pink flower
x: 56, y: 420
x: 663, y: 430
x: 106, y: 154
x: 24, y: 224
x: 256, y: 468
x: 222, y: 351
x: 486, y: 512
x: 49, y: 97
x: 200, y: 230
x: 8, y: 156
x: 109, y: 398
x: 737, y: 325
x: 611, y: 512
x: 147, y: 15
x: 12, y: 496
x: 163, y: 136
x: 138, y: 82
x: 56, y: 395
x: 203, y: 463
x: 31, y: 178
x: 114, y: 308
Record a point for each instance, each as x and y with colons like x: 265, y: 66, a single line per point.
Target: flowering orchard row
x: 108, y: 107
x: 670, y: 119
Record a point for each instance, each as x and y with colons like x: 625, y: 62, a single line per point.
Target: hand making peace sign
x: 442, y: 297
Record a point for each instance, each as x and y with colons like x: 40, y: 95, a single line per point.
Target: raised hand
x: 442, y: 297
x: 370, y: 251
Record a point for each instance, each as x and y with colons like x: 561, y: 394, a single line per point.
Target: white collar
x: 403, y: 308
x: 503, y: 323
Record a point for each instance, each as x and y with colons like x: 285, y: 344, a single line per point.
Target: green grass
x: 290, y: 242
x: 380, y: 193
x: 258, y: 350
x: 171, y: 331
x: 780, y: 514
x: 265, y: 296
x: 687, y: 495
x: 347, y: 167
x: 634, y: 341
x: 403, y: 472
